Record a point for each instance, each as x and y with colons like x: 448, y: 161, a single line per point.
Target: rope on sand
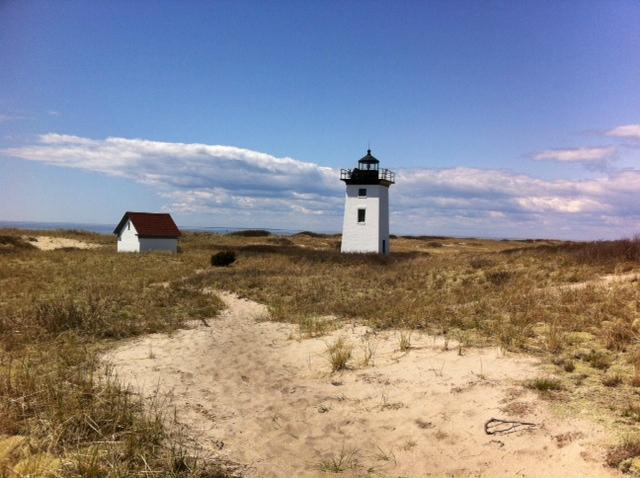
x: 497, y: 426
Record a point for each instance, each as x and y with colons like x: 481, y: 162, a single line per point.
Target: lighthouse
x: 366, y: 211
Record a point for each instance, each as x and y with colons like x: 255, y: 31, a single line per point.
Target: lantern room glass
x: 367, y: 166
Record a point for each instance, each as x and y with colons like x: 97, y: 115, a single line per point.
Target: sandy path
x: 252, y: 392
x: 48, y: 243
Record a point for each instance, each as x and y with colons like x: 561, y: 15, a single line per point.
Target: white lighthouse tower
x: 366, y: 210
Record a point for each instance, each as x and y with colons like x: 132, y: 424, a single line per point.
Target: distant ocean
x: 108, y: 228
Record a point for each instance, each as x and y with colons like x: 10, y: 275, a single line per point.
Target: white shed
x: 146, y: 231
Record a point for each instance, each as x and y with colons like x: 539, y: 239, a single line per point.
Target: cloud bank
x: 627, y: 131
x: 576, y: 155
x: 258, y: 189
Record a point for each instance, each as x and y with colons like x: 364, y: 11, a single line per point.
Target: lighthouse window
x: 361, y: 214
x: 362, y: 192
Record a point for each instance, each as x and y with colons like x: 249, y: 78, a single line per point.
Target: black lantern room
x: 368, y: 172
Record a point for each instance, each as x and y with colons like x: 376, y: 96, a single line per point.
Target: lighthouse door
x: 384, y: 246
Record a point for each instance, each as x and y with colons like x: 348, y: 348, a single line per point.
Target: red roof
x: 149, y: 224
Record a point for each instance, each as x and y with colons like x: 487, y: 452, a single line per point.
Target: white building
x: 366, y: 211
x: 145, y: 232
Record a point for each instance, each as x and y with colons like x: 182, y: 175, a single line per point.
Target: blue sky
x: 501, y: 118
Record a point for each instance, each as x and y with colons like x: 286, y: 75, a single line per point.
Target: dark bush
x: 251, y: 233
x: 481, y: 263
x: 307, y: 255
x: 14, y: 244
x: 223, y: 258
x: 628, y: 448
x: 608, y: 251
x: 498, y: 277
x: 281, y: 241
x: 310, y: 234
x: 12, y: 241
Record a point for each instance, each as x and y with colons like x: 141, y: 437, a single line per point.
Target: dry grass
x: 627, y: 449
x: 368, y: 352
x: 339, y: 353
x: 634, y: 358
x: 313, y: 326
x: 545, y: 384
x: 404, y: 340
x: 345, y: 460
x: 58, y: 310
x: 612, y: 380
x: 590, y: 253
x: 508, y: 293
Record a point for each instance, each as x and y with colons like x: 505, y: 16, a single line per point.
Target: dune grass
x: 70, y: 415
x: 339, y: 354
x: 60, y: 309
x: 544, y: 384
x: 404, y: 340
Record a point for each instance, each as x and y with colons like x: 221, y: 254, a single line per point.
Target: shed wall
x: 148, y: 244
x: 128, y: 238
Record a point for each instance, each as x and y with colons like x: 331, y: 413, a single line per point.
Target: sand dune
x: 254, y: 393
x: 49, y: 243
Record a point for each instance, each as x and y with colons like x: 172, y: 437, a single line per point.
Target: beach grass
x: 60, y: 309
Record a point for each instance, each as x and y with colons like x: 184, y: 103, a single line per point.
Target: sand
x: 253, y: 392
x: 48, y: 243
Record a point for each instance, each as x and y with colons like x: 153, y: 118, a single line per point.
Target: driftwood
x: 497, y: 426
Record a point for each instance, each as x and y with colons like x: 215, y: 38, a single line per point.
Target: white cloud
x: 177, y: 165
x: 626, y: 131
x: 558, y: 204
x: 576, y: 155
x: 239, y: 186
